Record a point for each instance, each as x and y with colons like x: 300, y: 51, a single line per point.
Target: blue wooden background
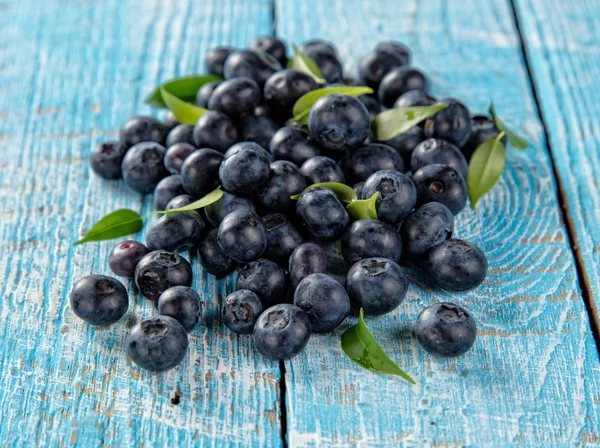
x: 72, y: 71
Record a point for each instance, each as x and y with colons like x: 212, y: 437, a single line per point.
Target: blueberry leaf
x: 343, y: 192
x: 485, y: 168
x: 183, y: 88
x: 306, y: 64
x: 210, y: 198
x: 361, y: 347
x: 184, y: 112
x: 393, y: 122
x: 515, y: 139
x: 306, y: 101
x: 119, y: 223
x: 363, y: 208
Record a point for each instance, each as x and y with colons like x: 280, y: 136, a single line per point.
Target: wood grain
x: 533, y: 377
x: 71, y: 73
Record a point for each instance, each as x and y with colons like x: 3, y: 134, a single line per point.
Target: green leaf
x: 485, y: 168
x: 183, y: 88
x: 119, y: 223
x: 363, y: 208
x: 393, y: 122
x: 210, y: 198
x: 361, y: 347
x: 306, y: 64
x: 306, y: 101
x: 184, y: 112
x: 515, y: 139
x: 343, y: 192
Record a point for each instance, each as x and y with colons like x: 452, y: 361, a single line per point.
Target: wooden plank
x: 71, y: 74
x: 561, y: 40
x: 533, y: 377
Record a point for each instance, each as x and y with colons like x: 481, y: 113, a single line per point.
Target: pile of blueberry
x: 247, y: 145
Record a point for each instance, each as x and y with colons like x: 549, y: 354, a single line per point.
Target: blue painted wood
x: 71, y: 73
x: 532, y: 377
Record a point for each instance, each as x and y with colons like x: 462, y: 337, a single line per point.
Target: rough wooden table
x: 71, y: 72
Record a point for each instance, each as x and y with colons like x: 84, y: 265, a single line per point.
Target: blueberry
x: 281, y: 332
x: 157, y: 344
x: 292, y: 144
x: 318, y: 46
x: 440, y: 183
x: 244, y: 171
x: 235, y: 97
x: 375, y: 65
x: 396, y: 49
x: 283, y: 89
x: 215, y: 130
x: 167, y: 189
x: 143, y: 129
x: 307, y: 259
x: 143, y: 166
x: 180, y: 201
x: 175, y: 232
x: 398, y: 81
x: 217, y: 211
x: 256, y: 65
x: 397, y: 195
x: 282, y: 237
x: 483, y: 128
x: 358, y: 188
x: 414, y: 98
x: 452, y: 123
x: 170, y: 121
x: 253, y: 146
x: 182, y: 133
x: 99, y: 300
x: 212, y: 258
x: 406, y: 142
x: 322, y: 169
x: 259, y: 129
x: 285, y: 180
x: 359, y: 164
x: 339, y: 122
x: 272, y: 45
x: 266, y: 279
x: 241, y: 310
x: 263, y: 110
x: 371, y: 238
x: 433, y: 150
x: 242, y: 236
x: 426, y: 227
x: 200, y: 172
x: 372, y: 105
x: 124, y: 257
x: 215, y: 60
x: 445, y: 330
x: 320, y: 212
x: 329, y: 64
x: 457, y: 265
x: 176, y: 155
x: 205, y: 92
x: 183, y: 304
x: 324, y: 301
x: 159, y: 271
x: 107, y: 158
x: 377, y: 285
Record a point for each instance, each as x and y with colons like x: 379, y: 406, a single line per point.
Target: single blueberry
x: 143, y: 166
x: 175, y: 232
x: 212, y: 258
x: 143, y: 129
x: 281, y: 332
x: 397, y: 49
x: 377, y: 285
x: 259, y: 129
x: 440, y: 183
x: 433, y: 151
x: 329, y: 64
x: 264, y: 110
x: 425, y: 228
x: 200, y: 172
x: 359, y: 164
x: 176, y: 155
x: 293, y: 144
x: 215, y: 130
x: 452, y: 124
x: 406, y: 142
x: 159, y: 271
x: 266, y: 279
x: 253, y: 64
x: 183, y: 304
x: 397, y: 195
x: 167, y: 189
x: 244, y: 171
x: 414, y: 98
x: 157, y: 344
x: 205, y: 92
x: 107, y: 158
x: 242, y: 236
x: 125, y: 256
x: 307, y: 259
x: 368, y: 238
x: 241, y: 310
x: 457, y: 265
x: 285, y: 180
x: 282, y: 237
x: 372, y: 104
x: 272, y: 45
x: 99, y: 300
x: 398, y: 81
x: 319, y: 169
x: 217, y: 211
x: 375, y: 65
x: 283, y: 89
x: 180, y: 201
x: 320, y: 212
x: 252, y: 146
x: 483, y: 128
x: 182, y: 133
x: 318, y: 46
x: 215, y: 60
x: 446, y: 330
x: 235, y: 97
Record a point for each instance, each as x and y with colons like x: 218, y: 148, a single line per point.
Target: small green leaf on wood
x: 183, y: 88
x: 343, y: 192
x: 363, y: 208
x: 485, y: 168
x: 361, y: 347
x: 184, y: 112
x: 393, y: 122
x: 306, y: 101
x: 515, y: 139
x: 119, y: 223
x: 306, y: 64
x: 210, y: 198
